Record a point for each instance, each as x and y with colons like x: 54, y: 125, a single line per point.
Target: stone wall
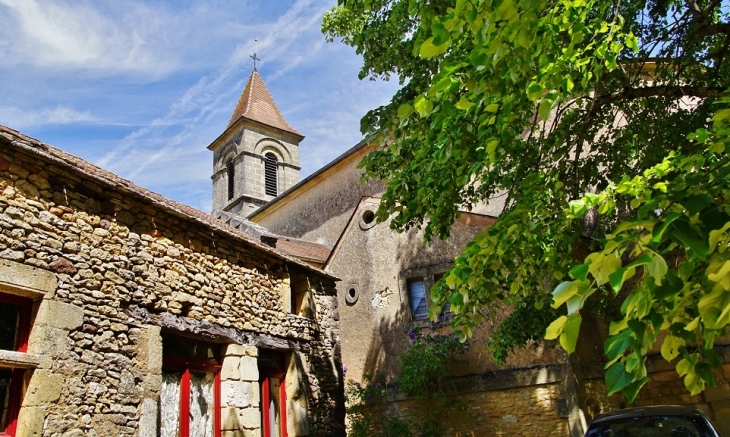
x: 129, y: 263
x: 516, y: 412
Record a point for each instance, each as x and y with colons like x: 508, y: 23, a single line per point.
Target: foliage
x: 424, y: 365
x: 369, y: 413
x: 595, y: 120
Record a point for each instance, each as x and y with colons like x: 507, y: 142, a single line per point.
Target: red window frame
x: 265, y: 382
x: 16, y: 388
x: 186, y: 365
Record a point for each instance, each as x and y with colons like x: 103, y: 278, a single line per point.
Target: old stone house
x: 123, y: 313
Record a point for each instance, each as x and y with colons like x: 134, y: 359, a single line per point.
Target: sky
x: 141, y: 88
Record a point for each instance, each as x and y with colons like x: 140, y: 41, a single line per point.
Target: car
x: 657, y: 421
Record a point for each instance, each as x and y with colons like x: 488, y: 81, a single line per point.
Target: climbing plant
x: 601, y: 125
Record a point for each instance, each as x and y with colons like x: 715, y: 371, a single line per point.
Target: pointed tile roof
x: 257, y: 104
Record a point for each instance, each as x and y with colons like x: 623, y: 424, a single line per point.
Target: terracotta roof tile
x: 304, y: 250
x: 257, y: 104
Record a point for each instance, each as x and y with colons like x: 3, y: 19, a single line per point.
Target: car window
x: 652, y: 426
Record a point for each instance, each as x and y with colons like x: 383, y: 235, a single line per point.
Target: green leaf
x: 544, y: 109
x: 563, y: 292
x: 569, y: 337
x: 556, y: 328
x: 580, y: 272
x: 632, y: 389
x: 670, y: 347
x: 534, y: 91
x: 703, y: 371
x: 404, y: 111
x: 657, y: 268
x: 464, y: 104
x: 683, y: 232
x: 615, y: 345
x: 617, y: 378
x: 696, y: 203
x: 617, y: 278
x: 715, y: 308
x: 506, y: 10
x: 429, y: 49
x: 577, y: 207
x: 423, y: 106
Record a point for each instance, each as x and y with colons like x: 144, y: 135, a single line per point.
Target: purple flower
x: 344, y: 368
x: 377, y: 384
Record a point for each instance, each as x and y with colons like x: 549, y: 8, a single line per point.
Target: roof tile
x: 257, y: 104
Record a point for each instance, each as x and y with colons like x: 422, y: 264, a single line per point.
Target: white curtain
x: 201, y: 404
x: 170, y: 405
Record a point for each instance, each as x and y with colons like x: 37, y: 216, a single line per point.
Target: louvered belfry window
x: 230, y: 169
x: 270, y: 174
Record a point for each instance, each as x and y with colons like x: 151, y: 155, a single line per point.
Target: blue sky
x: 142, y: 87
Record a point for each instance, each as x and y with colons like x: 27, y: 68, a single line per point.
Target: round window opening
x: 352, y: 294
x: 368, y: 217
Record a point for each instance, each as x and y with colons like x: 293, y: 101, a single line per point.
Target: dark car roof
x: 659, y: 410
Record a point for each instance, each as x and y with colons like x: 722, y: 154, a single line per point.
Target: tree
x: 604, y: 123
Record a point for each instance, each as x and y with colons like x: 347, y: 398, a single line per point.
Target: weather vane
x: 254, y: 57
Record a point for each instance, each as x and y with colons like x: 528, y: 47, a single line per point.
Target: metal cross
x: 255, y: 58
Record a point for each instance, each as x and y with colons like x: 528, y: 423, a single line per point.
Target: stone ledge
x: 21, y: 360
x: 26, y: 280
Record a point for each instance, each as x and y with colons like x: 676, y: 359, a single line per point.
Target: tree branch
x: 658, y: 91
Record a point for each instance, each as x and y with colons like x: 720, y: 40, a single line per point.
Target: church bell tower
x: 257, y: 157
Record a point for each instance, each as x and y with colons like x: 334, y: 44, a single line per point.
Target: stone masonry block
x: 27, y: 280
x: 229, y: 419
x: 60, y: 315
x: 240, y: 350
x: 235, y: 394
x: 44, y: 387
x: 249, y: 418
x: 249, y: 369
x: 150, y: 349
x: 231, y: 369
x: 719, y: 393
x: 30, y: 422
x: 48, y: 341
x: 148, y: 418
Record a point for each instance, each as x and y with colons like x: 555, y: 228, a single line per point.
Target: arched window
x: 270, y: 174
x: 231, y: 170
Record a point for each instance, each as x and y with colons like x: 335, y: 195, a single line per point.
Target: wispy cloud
x: 78, y: 35
x: 214, y: 93
x: 22, y: 118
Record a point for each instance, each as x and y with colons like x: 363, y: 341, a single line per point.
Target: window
x: 416, y: 284
x: 299, y: 290
x: 190, y: 395
x: 270, y: 182
x: 273, y: 394
x: 417, y: 297
x: 231, y: 170
x: 14, y: 331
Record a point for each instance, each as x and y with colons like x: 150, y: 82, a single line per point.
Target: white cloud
x: 23, y: 118
x: 54, y: 34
